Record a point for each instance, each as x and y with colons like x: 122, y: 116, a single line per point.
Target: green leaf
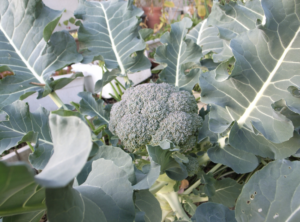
x: 91, y: 107
x: 115, y: 154
x: 21, y: 126
x: 238, y: 160
x: 111, y: 26
x: 28, y: 49
x: 212, y: 212
x: 147, y: 177
x: 248, y: 95
x: 144, y: 33
x: 226, y: 192
x: 146, y: 202
x: 32, y: 217
x: 180, y: 55
x: 72, y: 20
x: 78, y: 207
x: 189, y: 206
x: 175, y: 170
x: 207, y: 37
x: 234, y: 18
x: 106, y: 195
x: 77, y: 145
x: 19, y: 193
x: 271, y: 194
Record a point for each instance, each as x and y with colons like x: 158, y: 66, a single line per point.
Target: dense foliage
x: 133, y: 161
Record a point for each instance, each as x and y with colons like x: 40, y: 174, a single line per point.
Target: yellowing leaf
x: 201, y: 10
x: 169, y: 4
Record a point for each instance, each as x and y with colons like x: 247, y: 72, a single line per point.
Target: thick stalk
x: 173, y: 200
x: 156, y: 187
x: 57, y: 100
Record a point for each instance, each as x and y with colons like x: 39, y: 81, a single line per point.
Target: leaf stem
x: 197, y: 183
x: 30, y: 146
x: 89, y: 123
x: 57, y: 100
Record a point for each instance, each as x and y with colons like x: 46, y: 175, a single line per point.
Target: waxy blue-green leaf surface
x: 72, y: 144
x: 146, y: 202
x: 94, y: 108
x: 106, y: 195
x: 207, y: 37
x: 234, y: 18
x: 179, y: 55
x: 19, y: 193
x: 212, y: 212
x: 110, y: 30
x: 28, y: 48
x: 266, y: 66
x: 117, y: 155
x: 271, y: 194
x: 27, y: 127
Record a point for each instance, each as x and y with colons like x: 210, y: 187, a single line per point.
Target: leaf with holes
x: 29, y: 48
x: 263, y: 196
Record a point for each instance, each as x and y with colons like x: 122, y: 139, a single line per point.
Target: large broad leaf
x: 110, y: 30
x: 117, y: 155
x: 24, y: 126
x: 146, y: 202
x: 207, y: 37
x: 234, y: 18
x: 19, y: 193
x: 226, y: 192
x: 32, y: 217
x: 272, y: 194
x: 212, y: 212
x: 72, y: 145
x: 179, y: 55
x: 238, y: 160
x: 265, y: 69
x: 106, y: 195
x: 28, y: 48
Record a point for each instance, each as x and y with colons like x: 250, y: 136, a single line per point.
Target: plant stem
x: 30, y: 146
x: 173, y: 201
x: 226, y: 174
x: 219, y: 170
x: 197, y: 183
x: 99, y: 129
x: 212, y: 170
x: 263, y: 162
x: 120, y: 84
x: 89, y: 123
x: 238, y: 180
x: 57, y: 100
x: 115, y: 92
x: 156, y: 187
x: 203, y: 159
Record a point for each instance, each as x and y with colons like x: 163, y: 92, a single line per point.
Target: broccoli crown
x: 192, y: 166
x: 150, y: 113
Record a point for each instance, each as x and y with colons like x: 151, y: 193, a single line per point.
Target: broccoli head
x: 150, y: 113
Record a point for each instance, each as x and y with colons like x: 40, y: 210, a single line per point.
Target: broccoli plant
x: 153, y: 156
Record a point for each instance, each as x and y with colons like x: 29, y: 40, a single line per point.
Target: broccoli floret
x: 192, y: 166
x: 150, y: 113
